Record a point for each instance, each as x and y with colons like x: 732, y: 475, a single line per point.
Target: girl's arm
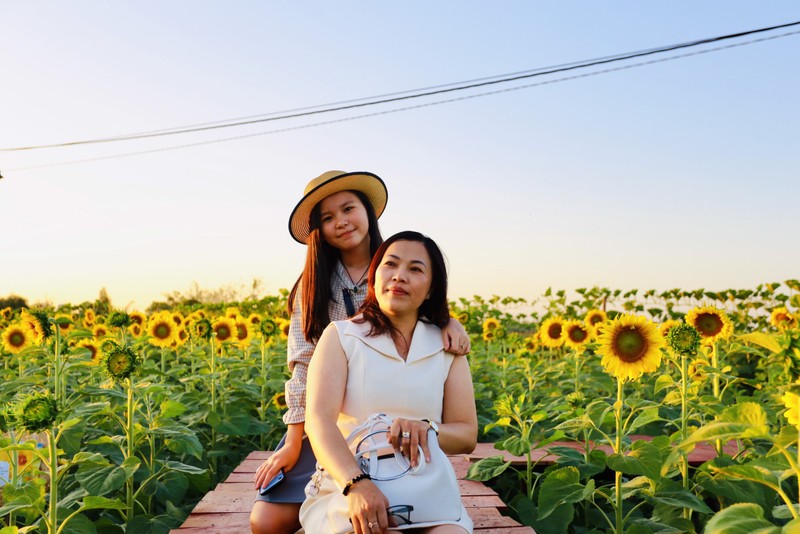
x: 327, y: 381
x: 455, y: 338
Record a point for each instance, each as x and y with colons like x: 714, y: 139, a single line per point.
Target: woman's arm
x: 458, y: 432
x: 327, y: 382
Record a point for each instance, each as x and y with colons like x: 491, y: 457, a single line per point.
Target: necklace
x: 356, y: 284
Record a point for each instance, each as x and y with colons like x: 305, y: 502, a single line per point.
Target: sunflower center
x: 223, y: 333
x: 16, y: 339
x: 554, y: 331
x: 577, y: 334
x: 630, y: 345
x: 162, y: 331
x: 594, y: 319
x: 241, y: 331
x: 709, y: 324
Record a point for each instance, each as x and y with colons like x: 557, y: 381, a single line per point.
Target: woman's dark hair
x: 315, y: 280
x: 434, y: 309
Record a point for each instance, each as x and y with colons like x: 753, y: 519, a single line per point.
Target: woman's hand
x: 407, y: 436
x: 455, y: 338
x: 284, y: 458
x: 367, y: 508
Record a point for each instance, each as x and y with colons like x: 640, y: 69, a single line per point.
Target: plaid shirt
x: 300, y: 350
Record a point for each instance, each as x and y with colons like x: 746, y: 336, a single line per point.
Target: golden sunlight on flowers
x: 782, y: 319
x: 667, y: 325
x: 630, y: 346
x: 34, y: 324
x: 551, y: 332
x: 18, y: 337
x: 254, y: 319
x: 178, y: 318
x: 135, y: 330
x: 594, y: 318
x: 162, y: 330
x: 792, y: 403
x: 712, y: 323
x: 576, y: 334
x: 232, y: 312
x: 225, y: 329
x: 88, y: 318
x: 491, y: 324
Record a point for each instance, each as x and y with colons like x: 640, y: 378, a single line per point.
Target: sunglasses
x: 401, y: 513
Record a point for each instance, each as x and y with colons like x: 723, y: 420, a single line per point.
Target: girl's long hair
x: 314, y: 283
x: 434, y: 309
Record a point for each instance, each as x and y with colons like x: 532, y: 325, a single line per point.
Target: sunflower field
x: 120, y: 421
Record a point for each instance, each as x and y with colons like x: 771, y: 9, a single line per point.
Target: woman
x: 390, y: 360
x: 337, y: 218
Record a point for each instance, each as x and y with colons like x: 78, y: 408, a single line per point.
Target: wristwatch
x: 432, y: 424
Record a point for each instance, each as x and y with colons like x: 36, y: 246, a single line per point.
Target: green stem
x: 715, y: 386
x: 618, y: 449
x: 52, y: 523
x: 129, y: 431
x: 684, y: 430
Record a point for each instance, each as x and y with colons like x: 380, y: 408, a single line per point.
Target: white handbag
x: 421, y: 496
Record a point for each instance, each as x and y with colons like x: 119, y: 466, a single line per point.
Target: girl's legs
x: 275, y: 518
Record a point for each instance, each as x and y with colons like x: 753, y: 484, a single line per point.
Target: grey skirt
x: 292, y: 490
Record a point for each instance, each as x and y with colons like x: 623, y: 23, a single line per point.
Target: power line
x: 402, y: 95
x: 407, y: 108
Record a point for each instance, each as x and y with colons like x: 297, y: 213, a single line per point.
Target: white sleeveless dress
x: 380, y: 381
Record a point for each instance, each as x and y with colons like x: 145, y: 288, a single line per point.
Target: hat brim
x: 365, y: 182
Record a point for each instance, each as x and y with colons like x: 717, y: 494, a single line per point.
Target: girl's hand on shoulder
x: 455, y: 338
x: 284, y: 458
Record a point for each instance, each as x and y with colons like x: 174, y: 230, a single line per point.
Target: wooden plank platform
x: 226, y: 509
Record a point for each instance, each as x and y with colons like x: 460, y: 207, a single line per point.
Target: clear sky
x: 676, y: 174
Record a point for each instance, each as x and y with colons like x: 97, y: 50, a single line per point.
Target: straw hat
x: 329, y: 183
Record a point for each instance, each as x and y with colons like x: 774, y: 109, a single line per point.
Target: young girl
x: 337, y: 219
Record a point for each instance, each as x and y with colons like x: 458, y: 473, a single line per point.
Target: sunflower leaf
x: 741, y: 517
x: 487, y: 468
x: 562, y: 486
x: 763, y: 339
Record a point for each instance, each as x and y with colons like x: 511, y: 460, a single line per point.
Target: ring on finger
x: 406, y: 434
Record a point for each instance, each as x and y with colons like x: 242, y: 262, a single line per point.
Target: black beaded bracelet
x: 349, y: 485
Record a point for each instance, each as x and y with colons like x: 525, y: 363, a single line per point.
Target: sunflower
x: 630, y: 347
x: 5, y: 313
x: 244, y: 334
x: 283, y: 325
x: 178, y: 318
x: 782, y: 319
x: 551, y: 332
x: 94, y: 349
x: 37, y: 411
x: 697, y: 369
x: 18, y: 337
x: 162, y: 330
x: 88, y: 318
x: 576, y: 334
x: 232, y: 312
x: 531, y: 342
x: 65, y: 324
x: 279, y: 400
x: 712, y: 323
x: 268, y: 328
x: 119, y: 319
x: 136, y: 330
x: 684, y: 339
x: 181, y: 338
x: 254, y: 320
x: 138, y: 317
x: 225, y: 329
x: 491, y: 324
x: 99, y: 331
x: 201, y: 329
x: 488, y: 335
x: 668, y: 325
x: 120, y: 362
x: 595, y: 317
x: 38, y: 323
x: 792, y: 403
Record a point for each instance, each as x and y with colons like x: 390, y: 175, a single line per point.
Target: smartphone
x: 277, y: 479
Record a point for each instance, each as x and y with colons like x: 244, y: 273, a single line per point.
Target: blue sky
x: 677, y: 174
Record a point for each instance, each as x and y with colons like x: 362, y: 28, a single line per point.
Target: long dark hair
x: 315, y: 279
x: 434, y: 309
